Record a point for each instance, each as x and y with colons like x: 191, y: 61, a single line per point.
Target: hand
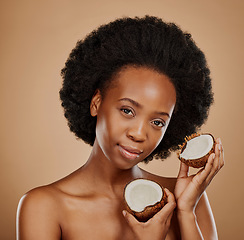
x: 188, y: 189
x: 157, y: 227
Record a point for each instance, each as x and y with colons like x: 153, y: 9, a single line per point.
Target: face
x: 133, y: 115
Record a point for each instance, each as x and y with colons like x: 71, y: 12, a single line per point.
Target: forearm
x: 189, y: 228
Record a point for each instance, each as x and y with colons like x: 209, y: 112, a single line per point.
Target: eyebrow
x: 135, y: 103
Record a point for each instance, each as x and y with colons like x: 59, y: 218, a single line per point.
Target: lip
x: 129, y: 152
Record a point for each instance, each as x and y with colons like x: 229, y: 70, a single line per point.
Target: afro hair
x: 147, y: 42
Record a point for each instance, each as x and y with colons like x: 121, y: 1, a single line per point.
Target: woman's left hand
x: 188, y: 189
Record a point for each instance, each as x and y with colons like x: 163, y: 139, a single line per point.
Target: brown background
x: 36, y: 145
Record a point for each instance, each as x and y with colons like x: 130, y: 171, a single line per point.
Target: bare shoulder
x: 42, y: 197
x: 38, y: 209
x: 49, y: 199
x: 43, y: 211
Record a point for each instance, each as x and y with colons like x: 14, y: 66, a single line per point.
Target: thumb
x: 184, y: 170
x: 167, y: 211
x: 131, y: 220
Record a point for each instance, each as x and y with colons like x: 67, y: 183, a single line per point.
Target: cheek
x: 157, y: 138
x: 107, y: 127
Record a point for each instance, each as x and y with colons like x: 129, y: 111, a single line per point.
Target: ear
x: 95, y: 103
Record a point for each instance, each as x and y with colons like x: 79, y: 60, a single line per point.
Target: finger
x: 165, y: 212
x: 131, y: 220
x: 171, y: 199
x: 221, y: 149
x: 168, y: 221
x: 219, y: 161
x: 170, y: 196
x: 168, y: 209
x: 184, y: 170
x: 202, y: 175
x: 216, y: 165
x: 222, y: 162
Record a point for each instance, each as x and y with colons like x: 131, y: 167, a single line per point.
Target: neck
x: 104, y: 173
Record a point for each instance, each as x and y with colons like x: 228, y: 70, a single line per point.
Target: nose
x: 137, y: 131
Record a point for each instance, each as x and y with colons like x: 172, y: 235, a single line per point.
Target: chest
x: 99, y: 219
x: 94, y: 219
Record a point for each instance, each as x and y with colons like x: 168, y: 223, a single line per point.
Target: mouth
x: 129, y: 152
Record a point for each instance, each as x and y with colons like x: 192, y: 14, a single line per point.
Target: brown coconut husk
x: 148, y: 211
x: 199, y: 162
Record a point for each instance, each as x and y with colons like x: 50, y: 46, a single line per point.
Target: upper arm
x: 37, y: 217
x: 205, y: 218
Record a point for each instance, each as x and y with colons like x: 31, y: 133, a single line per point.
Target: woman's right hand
x: 157, y: 227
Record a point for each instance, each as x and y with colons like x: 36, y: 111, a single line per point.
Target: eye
x: 127, y: 112
x: 158, y: 123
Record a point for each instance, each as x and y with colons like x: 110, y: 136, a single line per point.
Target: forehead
x: 143, y: 85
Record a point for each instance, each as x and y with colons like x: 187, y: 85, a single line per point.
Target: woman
x: 124, y: 85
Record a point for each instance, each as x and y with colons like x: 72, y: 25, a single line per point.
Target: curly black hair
x: 147, y: 42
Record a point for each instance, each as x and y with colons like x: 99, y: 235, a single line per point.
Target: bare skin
x: 89, y: 203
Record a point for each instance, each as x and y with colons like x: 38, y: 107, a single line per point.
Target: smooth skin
x: 132, y: 118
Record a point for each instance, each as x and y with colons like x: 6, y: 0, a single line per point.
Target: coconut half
x: 144, y: 198
x: 196, y: 149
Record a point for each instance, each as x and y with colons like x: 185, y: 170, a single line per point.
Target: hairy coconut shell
x: 150, y: 210
x: 199, y: 162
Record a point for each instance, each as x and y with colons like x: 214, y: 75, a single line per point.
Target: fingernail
x: 220, y: 147
x: 213, y: 156
x: 124, y: 213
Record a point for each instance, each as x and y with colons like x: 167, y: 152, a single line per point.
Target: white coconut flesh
x: 141, y: 193
x: 197, y: 147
